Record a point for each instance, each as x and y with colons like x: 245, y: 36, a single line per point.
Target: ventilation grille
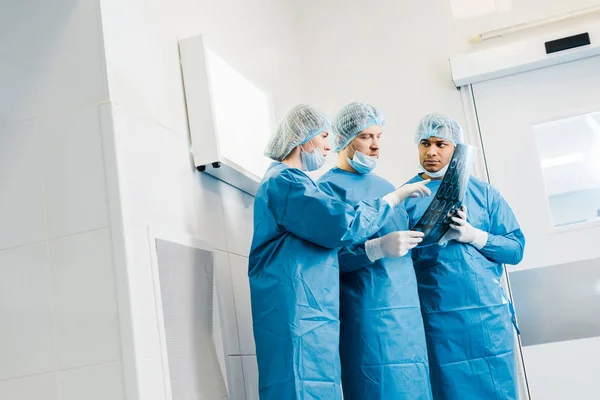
x: 186, y: 285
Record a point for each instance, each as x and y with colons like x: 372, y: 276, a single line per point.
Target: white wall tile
x: 161, y: 186
x: 243, y: 310
x: 78, y: 70
x: 21, y: 23
x: 27, y: 344
x: 27, y: 37
x: 30, y: 388
x: 22, y: 200
x: 129, y: 55
x: 74, y: 177
x: 86, y: 307
x: 101, y: 382
x: 172, y: 111
x: 250, y: 377
x: 211, y: 224
x: 18, y: 96
x: 152, y: 55
x: 226, y: 303
x: 235, y: 376
x: 238, y: 210
x: 52, y: 57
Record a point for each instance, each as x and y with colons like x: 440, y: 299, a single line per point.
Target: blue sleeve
x: 309, y: 213
x: 354, y: 256
x: 506, y: 242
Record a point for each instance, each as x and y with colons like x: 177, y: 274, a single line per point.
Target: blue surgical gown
x: 468, y: 317
x: 382, y: 340
x: 294, y: 281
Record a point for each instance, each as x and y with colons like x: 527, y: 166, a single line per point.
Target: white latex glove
x: 395, y: 244
x: 411, y: 190
x: 463, y: 232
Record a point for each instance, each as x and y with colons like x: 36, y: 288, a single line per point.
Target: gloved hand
x: 395, y: 244
x: 410, y: 190
x: 463, y: 232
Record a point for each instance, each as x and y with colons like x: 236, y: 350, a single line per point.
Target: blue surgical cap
x: 299, y: 125
x: 351, y: 120
x: 441, y: 126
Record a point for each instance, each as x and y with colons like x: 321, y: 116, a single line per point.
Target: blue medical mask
x: 437, y: 174
x: 312, y: 161
x: 362, y: 163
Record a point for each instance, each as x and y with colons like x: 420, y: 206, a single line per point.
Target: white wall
x: 395, y: 56
x: 60, y: 324
x: 157, y: 185
x: 95, y: 150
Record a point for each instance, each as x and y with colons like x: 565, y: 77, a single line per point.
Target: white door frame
x: 474, y: 137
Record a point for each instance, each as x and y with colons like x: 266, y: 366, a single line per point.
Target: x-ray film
x: 435, y: 222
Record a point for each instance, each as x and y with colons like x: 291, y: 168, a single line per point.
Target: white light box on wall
x: 230, y: 118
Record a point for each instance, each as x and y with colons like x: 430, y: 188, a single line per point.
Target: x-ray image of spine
x: 435, y: 222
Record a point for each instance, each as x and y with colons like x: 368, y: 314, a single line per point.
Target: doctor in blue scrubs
x: 293, y: 265
x: 468, y: 317
x: 382, y: 341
